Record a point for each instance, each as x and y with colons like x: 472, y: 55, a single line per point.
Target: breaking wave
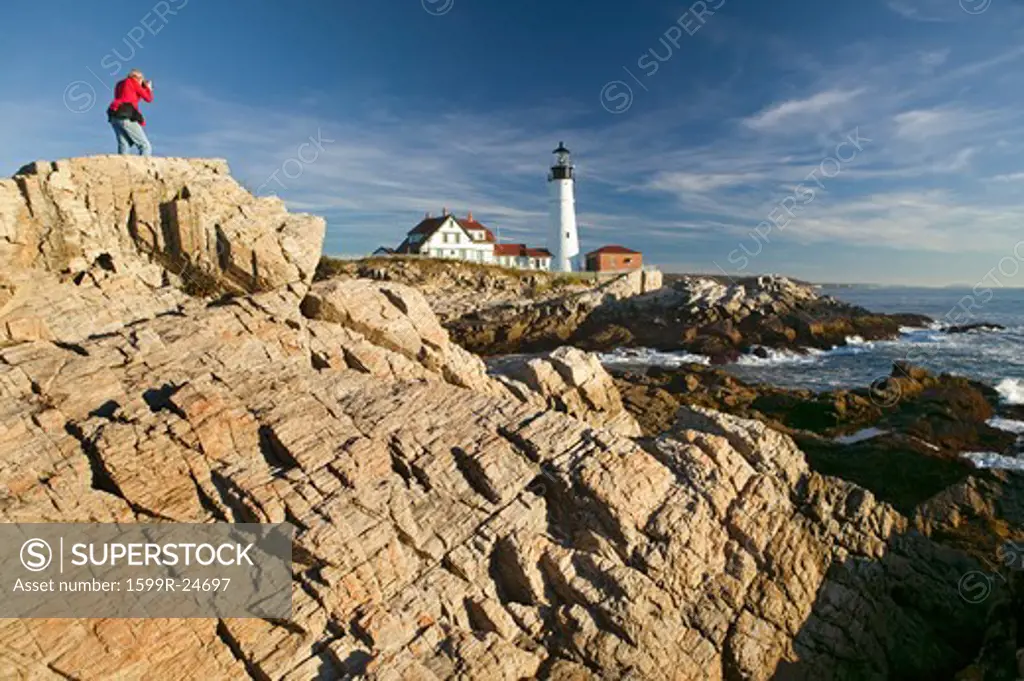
x: 1009, y: 425
x: 994, y: 461
x: 1011, y: 390
x: 645, y: 357
x: 767, y: 356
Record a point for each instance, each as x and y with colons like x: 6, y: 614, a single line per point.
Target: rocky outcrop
x: 902, y: 437
x: 723, y: 320
x: 702, y: 315
x: 444, y: 527
x: 100, y: 235
x: 387, y: 330
x: 531, y: 326
x: 978, y: 326
x: 189, y: 216
x: 455, y: 288
x: 570, y: 381
x: 447, y: 532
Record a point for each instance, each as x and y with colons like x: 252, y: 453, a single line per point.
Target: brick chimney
x: 470, y: 216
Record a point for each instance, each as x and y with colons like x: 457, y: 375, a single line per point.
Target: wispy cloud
x: 922, y: 124
x: 700, y: 183
x: 933, y: 58
x: 1009, y: 177
x: 784, y: 112
x: 923, y: 10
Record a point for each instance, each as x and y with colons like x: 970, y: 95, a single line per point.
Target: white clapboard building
x: 447, y: 236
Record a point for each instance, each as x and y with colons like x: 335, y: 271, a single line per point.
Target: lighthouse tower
x: 563, y: 242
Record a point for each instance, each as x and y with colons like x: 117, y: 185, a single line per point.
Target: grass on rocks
x: 538, y: 280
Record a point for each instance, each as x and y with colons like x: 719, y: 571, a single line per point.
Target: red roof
x: 613, y: 248
x: 520, y: 250
x: 470, y: 223
x: 509, y: 249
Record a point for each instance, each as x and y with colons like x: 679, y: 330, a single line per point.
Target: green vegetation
x: 329, y: 267
x: 542, y: 281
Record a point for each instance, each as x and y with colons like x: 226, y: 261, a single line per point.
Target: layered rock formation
x: 571, y: 381
x: 696, y: 314
x: 902, y: 437
x: 526, y: 325
x: 723, y: 320
x: 449, y: 524
x: 387, y: 330
x: 457, y: 289
x: 118, y: 229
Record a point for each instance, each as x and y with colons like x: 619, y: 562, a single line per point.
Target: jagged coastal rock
x: 118, y: 228
x: 902, y: 438
x: 455, y: 288
x: 167, y: 357
x: 723, y: 320
x: 496, y: 311
x: 506, y: 313
x: 571, y: 381
x: 540, y: 325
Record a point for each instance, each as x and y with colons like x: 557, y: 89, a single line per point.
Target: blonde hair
x: 135, y: 72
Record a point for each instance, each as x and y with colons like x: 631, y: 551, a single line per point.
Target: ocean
x: 996, y: 357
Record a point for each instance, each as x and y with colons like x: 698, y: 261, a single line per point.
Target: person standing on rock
x: 125, y: 117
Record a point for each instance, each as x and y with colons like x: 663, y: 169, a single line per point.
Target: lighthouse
x: 563, y: 242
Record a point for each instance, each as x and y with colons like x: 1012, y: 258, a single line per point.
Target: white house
x: 449, y: 237
x: 466, y: 239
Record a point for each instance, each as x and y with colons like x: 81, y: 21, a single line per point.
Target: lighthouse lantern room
x: 563, y: 241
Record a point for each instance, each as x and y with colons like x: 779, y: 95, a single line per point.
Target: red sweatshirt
x: 129, y: 91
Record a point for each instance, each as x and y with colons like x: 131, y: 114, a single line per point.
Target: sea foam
x: 1011, y: 390
x: 641, y: 357
x: 994, y: 461
x: 1009, y: 425
x: 773, y: 356
x: 860, y: 436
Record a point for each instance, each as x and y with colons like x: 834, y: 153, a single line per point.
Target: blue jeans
x: 130, y: 134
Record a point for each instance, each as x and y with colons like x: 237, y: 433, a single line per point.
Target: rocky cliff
x: 167, y: 358
x: 721, y: 320
x: 84, y: 243
x: 528, y: 324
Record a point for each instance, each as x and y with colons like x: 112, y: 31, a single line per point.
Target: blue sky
x: 708, y: 135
